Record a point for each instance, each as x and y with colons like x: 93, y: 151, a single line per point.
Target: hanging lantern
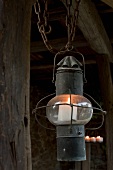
x: 69, y: 110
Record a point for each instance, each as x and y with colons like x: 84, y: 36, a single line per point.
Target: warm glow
x: 87, y: 139
x: 92, y: 139
x: 99, y: 139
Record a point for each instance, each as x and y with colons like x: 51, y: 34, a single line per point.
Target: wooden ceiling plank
x: 106, y: 11
x: 108, y: 2
x: 56, y: 43
x: 50, y: 67
x: 92, y: 28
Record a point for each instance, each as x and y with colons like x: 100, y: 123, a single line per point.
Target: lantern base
x: 71, y: 143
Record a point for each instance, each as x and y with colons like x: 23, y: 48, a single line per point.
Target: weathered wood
x: 86, y: 164
x: 39, y: 46
x: 78, y: 165
x: 1, y: 8
x: 106, y: 11
x: 46, y: 67
x: 92, y: 28
x: 108, y: 2
x: 15, y: 149
x: 107, y: 96
x: 57, y: 43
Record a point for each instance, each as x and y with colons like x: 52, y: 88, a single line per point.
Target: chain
x: 71, y: 22
x: 75, y: 19
x: 44, y: 28
x: 45, y: 15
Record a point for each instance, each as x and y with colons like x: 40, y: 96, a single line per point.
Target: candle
x: 99, y: 139
x: 87, y: 139
x: 92, y: 139
x: 64, y: 113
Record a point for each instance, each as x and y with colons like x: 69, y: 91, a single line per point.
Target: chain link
x: 69, y: 3
x: 75, y: 19
x: 44, y: 28
x: 71, y: 22
x: 45, y: 15
x: 43, y: 25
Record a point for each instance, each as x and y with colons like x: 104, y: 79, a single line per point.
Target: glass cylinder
x: 66, y: 109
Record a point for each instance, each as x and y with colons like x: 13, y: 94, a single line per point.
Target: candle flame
x: 87, y: 137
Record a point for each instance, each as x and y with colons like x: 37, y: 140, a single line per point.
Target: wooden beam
x: 36, y: 57
x: 86, y: 164
x: 15, y: 148
x: 44, y: 67
x: 78, y: 165
x: 108, y: 2
x: 56, y: 43
x: 107, y: 97
x: 39, y: 46
x: 1, y: 19
x: 106, y: 11
x: 92, y: 28
x: 58, y: 13
x: 33, y: 1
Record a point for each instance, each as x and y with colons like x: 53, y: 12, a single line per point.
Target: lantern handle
x: 43, y: 99
x: 93, y: 100
x: 41, y: 124
x: 98, y: 126
x: 34, y: 111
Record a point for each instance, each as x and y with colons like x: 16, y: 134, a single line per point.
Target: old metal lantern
x: 69, y: 110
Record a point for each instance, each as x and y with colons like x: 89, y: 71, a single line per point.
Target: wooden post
x: 107, y: 97
x: 15, y: 149
x: 86, y: 164
x: 78, y: 165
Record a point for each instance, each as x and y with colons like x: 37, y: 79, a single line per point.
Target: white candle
x: 93, y: 139
x: 87, y: 139
x: 99, y: 139
x: 64, y: 113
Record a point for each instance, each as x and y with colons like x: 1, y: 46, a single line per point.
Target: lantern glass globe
x: 64, y: 109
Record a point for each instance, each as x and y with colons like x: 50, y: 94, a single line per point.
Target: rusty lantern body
x: 68, y: 111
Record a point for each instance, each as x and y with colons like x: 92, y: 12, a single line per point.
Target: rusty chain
x: 42, y: 24
x: 44, y: 28
x: 75, y: 19
x: 71, y: 22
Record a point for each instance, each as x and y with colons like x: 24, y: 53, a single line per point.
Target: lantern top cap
x: 70, y: 62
